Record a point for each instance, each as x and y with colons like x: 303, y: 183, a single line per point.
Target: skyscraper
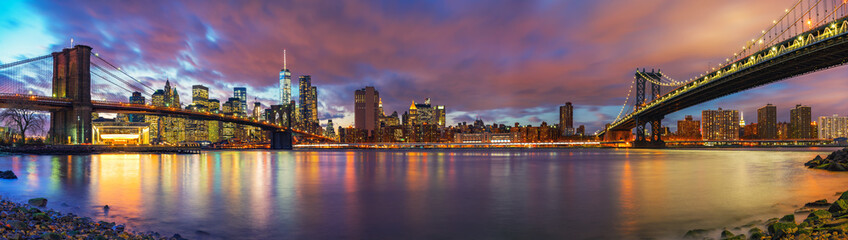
x: 136, y: 98
x: 566, y: 119
x: 285, y: 82
x: 257, y: 111
x: 720, y: 124
x: 308, y: 95
x: 365, y: 112
x: 767, y: 122
x: 199, y: 95
x: 241, y: 94
x: 800, y: 122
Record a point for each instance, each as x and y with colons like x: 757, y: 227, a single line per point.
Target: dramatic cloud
x: 501, y: 61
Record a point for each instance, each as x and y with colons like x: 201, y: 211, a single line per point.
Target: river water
x: 427, y: 194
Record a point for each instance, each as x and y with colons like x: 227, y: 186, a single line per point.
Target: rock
x: 51, y: 236
x: 837, y: 167
x: 178, y: 237
x: 818, y: 203
x: 844, y: 196
x: 835, y: 222
x: 41, y: 217
x: 788, y: 218
x: 818, y: 216
x: 17, y: 225
x: 696, y: 234
x: 38, y: 202
x: 780, y: 229
x: 838, y: 208
x: 726, y: 234
x: 758, y: 234
x: 8, y: 174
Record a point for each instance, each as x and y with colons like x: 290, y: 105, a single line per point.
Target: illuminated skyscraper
x: 136, y: 98
x: 285, y: 82
x: 720, y: 124
x: 241, y: 94
x: 832, y: 127
x: 566, y: 119
x: 366, y: 103
x: 199, y: 95
x: 800, y: 122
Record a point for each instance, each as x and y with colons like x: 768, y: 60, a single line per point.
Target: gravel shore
x: 22, y: 221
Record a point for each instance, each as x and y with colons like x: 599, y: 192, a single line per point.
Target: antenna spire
x: 284, y: 59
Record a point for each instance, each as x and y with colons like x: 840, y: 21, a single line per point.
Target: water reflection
x: 575, y: 194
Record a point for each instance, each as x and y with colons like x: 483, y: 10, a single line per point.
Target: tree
x: 23, y: 117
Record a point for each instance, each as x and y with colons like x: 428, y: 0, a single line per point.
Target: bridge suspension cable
x: 12, y: 64
x: 125, y: 73
x: 626, y: 100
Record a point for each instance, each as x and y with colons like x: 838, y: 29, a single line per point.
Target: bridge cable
x: 95, y: 74
x: 8, y: 65
x: 125, y: 73
x: 119, y: 79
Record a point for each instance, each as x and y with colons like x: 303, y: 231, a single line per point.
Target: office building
x: 366, y: 102
x: 566, y: 119
x: 285, y: 82
x: 136, y: 98
x: 241, y: 94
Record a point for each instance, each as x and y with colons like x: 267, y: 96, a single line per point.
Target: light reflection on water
x: 461, y: 194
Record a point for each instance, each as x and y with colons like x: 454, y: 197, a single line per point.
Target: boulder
x: 838, y: 208
x: 726, y: 234
x: 818, y: 216
x: 696, y: 234
x: 8, y: 174
x: 818, y: 203
x: 836, y: 222
x: 788, y: 218
x: 38, y: 202
x: 780, y: 229
x: 756, y: 233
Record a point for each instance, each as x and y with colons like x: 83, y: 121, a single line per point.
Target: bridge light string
x: 626, y: 100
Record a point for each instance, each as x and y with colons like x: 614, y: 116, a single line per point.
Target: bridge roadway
x: 43, y: 103
x: 818, y: 49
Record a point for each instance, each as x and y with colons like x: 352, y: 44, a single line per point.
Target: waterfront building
x: 330, y: 132
x: 114, y: 132
x: 689, y: 129
x: 830, y: 127
x: 285, y: 82
x: 566, y: 119
x: 510, y: 137
x: 720, y: 124
x: 440, y: 114
x: 241, y: 94
x: 800, y: 122
x: 767, y: 122
x: 308, y: 105
x: 366, y: 103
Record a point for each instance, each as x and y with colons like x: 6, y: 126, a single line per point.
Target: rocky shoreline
x: 835, y: 161
x: 33, y: 221
x: 824, y: 221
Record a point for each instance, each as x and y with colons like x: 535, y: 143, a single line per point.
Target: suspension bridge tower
x: 72, y: 80
x: 654, y: 140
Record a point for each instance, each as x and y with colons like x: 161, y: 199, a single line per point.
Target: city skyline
x: 528, y: 89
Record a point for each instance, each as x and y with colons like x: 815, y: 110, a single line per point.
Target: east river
x: 427, y: 194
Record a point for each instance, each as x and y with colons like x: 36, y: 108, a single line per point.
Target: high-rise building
x: 439, y: 113
x: 425, y: 113
x: 285, y: 82
x: 688, y: 128
x: 832, y: 127
x: 767, y: 122
x: 241, y: 94
x: 566, y: 119
x: 330, y: 132
x: 800, y: 122
x: 366, y: 102
x: 257, y: 111
x: 199, y: 94
x: 136, y: 98
x: 720, y: 124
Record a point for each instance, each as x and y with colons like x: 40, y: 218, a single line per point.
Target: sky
x: 498, y: 60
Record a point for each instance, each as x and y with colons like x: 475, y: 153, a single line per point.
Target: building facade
x: 767, y: 122
x: 720, y: 124
x: 366, y: 102
x: 566, y: 119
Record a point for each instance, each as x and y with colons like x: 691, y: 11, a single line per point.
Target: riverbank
x: 95, y: 149
x: 22, y: 221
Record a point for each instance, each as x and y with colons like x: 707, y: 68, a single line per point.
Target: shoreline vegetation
x: 33, y: 221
